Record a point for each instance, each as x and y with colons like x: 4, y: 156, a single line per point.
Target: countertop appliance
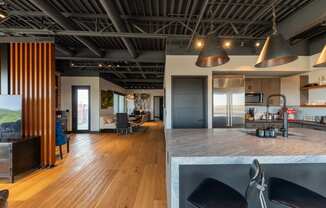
x: 228, y: 101
x: 254, y: 98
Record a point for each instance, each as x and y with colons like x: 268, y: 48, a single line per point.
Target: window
x: 119, y: 103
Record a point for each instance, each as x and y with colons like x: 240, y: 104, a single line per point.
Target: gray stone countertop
x: 238, y: 142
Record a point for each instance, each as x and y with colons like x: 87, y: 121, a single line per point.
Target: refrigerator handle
x: 231, y: 110
x: 228, y: 111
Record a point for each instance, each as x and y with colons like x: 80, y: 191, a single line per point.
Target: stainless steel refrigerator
x: 228, y: 101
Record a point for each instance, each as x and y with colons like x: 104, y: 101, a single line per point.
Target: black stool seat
x: 293, y: 195
x: 212, y: 193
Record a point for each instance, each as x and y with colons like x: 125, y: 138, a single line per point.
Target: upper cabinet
x: 253, y: 85
x: 271, y: 86
x: 267, y: 86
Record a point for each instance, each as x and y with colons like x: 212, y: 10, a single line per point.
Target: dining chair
x: 3, y: 198
x: 60, y: 137
x: 122, y: 123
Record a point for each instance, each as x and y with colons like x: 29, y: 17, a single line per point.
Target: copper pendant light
x: 212, y: 54
x: 321, y: 61
x: 276, y: 50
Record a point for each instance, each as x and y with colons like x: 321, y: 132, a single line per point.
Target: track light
x: 3, y: 15
x: 199, y: 44
x: 227, y: 44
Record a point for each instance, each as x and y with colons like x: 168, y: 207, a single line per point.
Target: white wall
x: 66, y: 97
x: 185, y: 65
x: 152, y: 93
x: 290, y: 87
x: 316, y: 95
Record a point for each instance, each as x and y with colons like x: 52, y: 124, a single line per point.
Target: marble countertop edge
x: 266, y: 159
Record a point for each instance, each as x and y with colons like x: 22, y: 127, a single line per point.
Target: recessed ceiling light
x: 257, y: 44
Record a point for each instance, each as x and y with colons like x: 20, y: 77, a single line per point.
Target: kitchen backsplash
x: 302, y: 113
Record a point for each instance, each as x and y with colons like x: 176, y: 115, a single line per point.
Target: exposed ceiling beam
x: 23, y: 31
x: 111, y: 11
x: 131, y: 72
x: 66, y: 23
x: 117, y: 56
x: 259, y: 14
x: 110, y: 71
x: 90, y: 65
x: 140, y: 80
x: 64, y: 50
x: 314, y: 14
x: 140, y: 18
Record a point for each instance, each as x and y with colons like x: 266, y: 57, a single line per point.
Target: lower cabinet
x: 18, y: 156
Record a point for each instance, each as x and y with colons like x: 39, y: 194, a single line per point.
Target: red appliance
x: 292, y: 114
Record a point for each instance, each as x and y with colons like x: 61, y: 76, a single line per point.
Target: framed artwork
x: 106, y: 99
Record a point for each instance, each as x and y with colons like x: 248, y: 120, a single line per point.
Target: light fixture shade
x: 276, y: 51
x: 212, y: 54
x: 3, y: 15
x: 321, y: 61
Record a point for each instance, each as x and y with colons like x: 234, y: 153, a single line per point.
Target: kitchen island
x: 202, y: 149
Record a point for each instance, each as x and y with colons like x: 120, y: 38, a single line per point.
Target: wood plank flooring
x: 101, y: 170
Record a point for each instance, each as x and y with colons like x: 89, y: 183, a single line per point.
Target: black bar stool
x: 212, y: 193
x: 293, y: 195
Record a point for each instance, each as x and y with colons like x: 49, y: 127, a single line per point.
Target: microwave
x: 254, y: 98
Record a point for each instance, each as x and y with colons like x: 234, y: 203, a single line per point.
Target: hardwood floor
x: 101, y: 170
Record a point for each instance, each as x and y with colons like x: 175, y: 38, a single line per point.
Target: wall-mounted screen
x: 10, y: 116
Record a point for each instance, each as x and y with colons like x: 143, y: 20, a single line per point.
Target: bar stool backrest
x: 256, y: 183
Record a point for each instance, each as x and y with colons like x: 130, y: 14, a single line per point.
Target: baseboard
x: 108, y: 130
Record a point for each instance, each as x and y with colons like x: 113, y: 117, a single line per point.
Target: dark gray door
x: 189, y: 102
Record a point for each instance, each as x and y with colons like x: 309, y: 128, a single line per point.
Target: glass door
x: 81, y: 108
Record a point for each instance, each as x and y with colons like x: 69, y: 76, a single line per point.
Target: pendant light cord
x: 274, y: 20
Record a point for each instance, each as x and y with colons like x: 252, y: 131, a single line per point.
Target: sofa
x: 107, y: 122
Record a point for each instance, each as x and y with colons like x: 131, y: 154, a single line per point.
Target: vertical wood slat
x: 32, y: 75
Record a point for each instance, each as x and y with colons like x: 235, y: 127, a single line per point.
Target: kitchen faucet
x: 285, y: 129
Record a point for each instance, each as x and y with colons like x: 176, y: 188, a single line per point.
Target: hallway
x: 101, y: 170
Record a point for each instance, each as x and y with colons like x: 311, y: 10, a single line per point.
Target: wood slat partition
x: 32, y: 75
